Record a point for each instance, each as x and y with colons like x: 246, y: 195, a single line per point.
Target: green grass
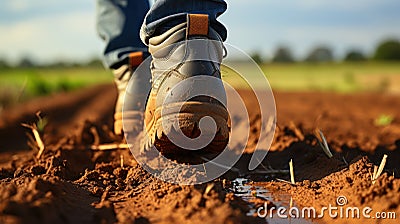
x: 336, y: 77
x: 383, y: 120
x: 19, y: 84
x: 341, y: 77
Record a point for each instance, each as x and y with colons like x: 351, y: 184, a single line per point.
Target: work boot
x: 129, y: 108
x: 189, y: 51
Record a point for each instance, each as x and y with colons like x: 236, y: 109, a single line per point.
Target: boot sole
x: 188, y: 115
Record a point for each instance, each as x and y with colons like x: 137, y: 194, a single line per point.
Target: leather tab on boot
x: 197, y: 25
x: 135, y: 59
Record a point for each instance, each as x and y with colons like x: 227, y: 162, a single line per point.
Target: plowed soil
x: 72, y: 183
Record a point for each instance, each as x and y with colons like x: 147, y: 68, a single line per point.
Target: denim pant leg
x: 118, y: 24
x: 165, y: 14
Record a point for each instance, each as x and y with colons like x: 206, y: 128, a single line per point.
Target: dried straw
x: 380, y: 169
x: 291, y: 172
x: 38, y: 140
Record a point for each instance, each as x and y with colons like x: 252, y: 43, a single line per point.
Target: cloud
x: 71, y: 36
x: 313, y: 4
x: 25, y: 5
x: 354, y: 5
x: 17, y: 5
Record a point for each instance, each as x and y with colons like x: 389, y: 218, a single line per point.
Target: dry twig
x: 374, y: 173
x: 269, y: 171
x: 322, y: 142
x: 297, y: 131
x: 106, y: 147
x: 122, y: 160
x: 95, y: 134
x: 38, y: 140
x: 291, y: 172
x: 284, y: 181
x: 380, y: 169
x: 208, y: 188
x: 220, y: 165
x: 344, y: 160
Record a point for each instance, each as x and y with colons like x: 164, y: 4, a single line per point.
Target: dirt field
x: 72, y: 183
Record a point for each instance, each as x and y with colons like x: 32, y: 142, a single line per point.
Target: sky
x: 54, y: 30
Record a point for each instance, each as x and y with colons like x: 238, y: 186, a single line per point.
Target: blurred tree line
x: 27, y: 62
x: 387, y: 50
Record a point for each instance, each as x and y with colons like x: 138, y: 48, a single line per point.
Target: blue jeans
x: 125, y: 26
